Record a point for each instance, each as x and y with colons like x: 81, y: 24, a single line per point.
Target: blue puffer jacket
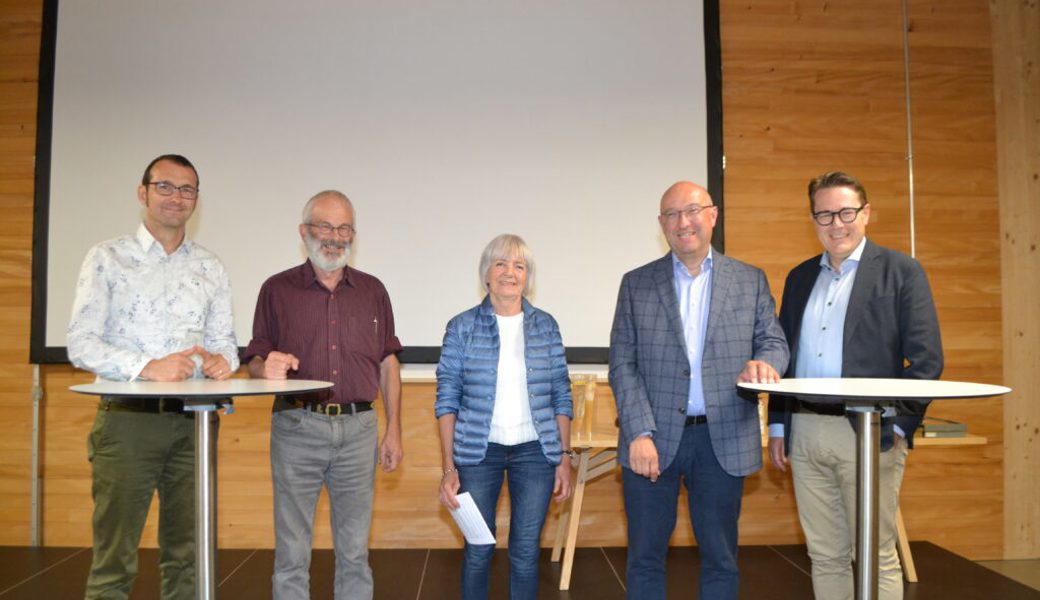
x: 466, y: 379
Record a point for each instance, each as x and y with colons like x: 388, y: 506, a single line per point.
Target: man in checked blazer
x: 857, y: 310
x: 687, y: 328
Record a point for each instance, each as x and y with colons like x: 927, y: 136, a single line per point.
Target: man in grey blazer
x: 857, y: 310
x: 687, y: 328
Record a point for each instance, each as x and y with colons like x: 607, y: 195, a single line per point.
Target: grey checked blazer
x: 650, y: 374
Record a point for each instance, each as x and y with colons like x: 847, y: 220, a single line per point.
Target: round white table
x: 203, y: 396
x: 865, y: 397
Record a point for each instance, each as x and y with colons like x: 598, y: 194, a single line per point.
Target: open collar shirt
x: 340, y: 335
x: 694, y: 295
x: 135, y: 303
x: 821, y: 338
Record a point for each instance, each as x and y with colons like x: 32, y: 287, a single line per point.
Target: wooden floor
x: 767, y: 572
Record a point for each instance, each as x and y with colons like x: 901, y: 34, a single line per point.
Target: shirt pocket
x: 363, y: 335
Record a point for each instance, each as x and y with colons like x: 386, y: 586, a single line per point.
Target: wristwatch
x: 571, y: 453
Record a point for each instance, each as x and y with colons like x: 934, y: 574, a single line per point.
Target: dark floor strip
x: 237, y: 568
x: 766, y: 573
x: 422, y: 576
x: 617, y: 575
x: 793, y: 563
x: 35, y: 553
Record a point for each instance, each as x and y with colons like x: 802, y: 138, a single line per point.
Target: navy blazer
x: 650, y: 371
x: 891, y: 329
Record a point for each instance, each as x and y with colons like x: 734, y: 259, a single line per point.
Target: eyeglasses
x: 327, y: 229
x: 847, y: 215
x: 689, y: 212
x: 165, y: 188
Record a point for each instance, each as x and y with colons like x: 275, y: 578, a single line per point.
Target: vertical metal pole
x: 868, y: 445
x: 205, y: 506
x: 909, y: 130
x: 34, y: 518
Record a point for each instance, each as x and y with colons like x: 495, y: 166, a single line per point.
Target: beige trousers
x: 823, y: 462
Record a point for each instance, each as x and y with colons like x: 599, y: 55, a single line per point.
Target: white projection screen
x: 445, y: 122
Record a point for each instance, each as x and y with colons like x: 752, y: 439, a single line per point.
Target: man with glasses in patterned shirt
x: 325, y: 320
x: 857, y: 310
x: 151, y: 306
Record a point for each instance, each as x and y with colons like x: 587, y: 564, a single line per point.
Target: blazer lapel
x: 664, y: 281
x: 721, y: 279
x: 866, y: 275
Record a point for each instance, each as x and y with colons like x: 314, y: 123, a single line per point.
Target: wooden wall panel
x: 19, y: 47
x: 955, y: 174
x: 808, y: 87
x: 831, y: 95
x: 1016, y: 58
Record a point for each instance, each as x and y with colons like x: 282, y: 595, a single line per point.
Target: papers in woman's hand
x: 470, y: 522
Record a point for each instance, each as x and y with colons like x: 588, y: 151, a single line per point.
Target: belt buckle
x: 333, y: 413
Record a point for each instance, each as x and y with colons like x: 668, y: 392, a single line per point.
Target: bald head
x: 326, y: 198
x: 687, y: 219
x: 682, y: 193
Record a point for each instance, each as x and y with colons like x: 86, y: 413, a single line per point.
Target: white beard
x: 318, y: 258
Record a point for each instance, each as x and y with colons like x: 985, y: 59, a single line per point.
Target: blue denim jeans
x: 714, y: 497
x: 531, y: 480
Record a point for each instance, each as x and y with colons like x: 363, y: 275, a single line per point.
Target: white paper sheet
x: 470, y: 522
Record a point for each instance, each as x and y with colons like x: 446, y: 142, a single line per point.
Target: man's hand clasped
x: 181, y: 365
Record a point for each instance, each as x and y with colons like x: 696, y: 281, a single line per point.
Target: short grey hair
x: 309, y: 207
x: 506, y: 246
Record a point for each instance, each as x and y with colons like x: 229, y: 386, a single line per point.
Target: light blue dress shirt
x: 823, y: 323
x: 694, y: 295
x: 135, y: 303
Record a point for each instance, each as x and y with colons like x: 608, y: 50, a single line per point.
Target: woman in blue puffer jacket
x: 504, y: 411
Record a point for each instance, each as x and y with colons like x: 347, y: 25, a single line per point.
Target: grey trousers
x: 309, y: 450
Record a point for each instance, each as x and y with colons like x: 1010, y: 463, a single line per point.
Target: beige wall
x: 808, y: 87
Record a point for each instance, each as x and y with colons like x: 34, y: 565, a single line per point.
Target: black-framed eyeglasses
x: 165, y: 188
x: 847, y: 215
x: 327, y: 229
x: 689, y: 212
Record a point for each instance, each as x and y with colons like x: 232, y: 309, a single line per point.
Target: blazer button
x: 686, y: 373
x: 682, y: 410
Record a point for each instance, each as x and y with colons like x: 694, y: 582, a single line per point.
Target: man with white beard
x: 325, y: 320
